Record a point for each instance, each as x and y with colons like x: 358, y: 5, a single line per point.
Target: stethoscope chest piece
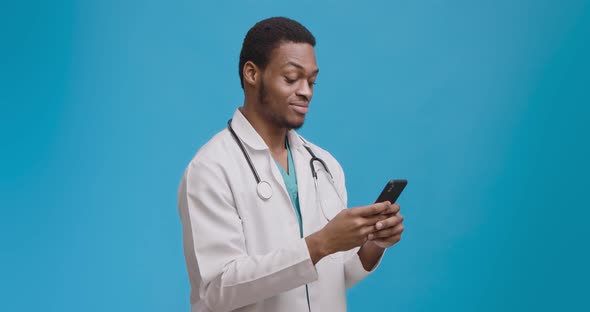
x: 264, y: 190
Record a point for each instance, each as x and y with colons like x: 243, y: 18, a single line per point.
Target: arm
x: 230, y: 278
x: 358, y: 262
x: 369, y: 255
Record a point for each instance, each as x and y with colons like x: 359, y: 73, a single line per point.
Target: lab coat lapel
x: 304, y: 180
x: 276, y: 174
x: 252, y: 139
x: 246, y: 132
x: 258, y: 148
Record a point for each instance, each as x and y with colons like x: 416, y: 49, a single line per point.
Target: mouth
x: 300, y: 108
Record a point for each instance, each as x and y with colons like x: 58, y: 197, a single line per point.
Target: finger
x: 396, y: 208
x: 396, y: 230
x: 371, y: 210
x: 384, y: 217
x: 373, y: 220
x: 368, y: 231
x: 383, y: 234
x: 389, y: 241
x: 390, y: 222
x: 391, y: 210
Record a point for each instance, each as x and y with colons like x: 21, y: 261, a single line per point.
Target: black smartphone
x: 392, y: 191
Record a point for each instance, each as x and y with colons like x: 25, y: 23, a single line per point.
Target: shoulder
x: 212, y: 156
x: 206, y: 178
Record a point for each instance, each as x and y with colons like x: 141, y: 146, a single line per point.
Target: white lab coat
x: 244, y: 253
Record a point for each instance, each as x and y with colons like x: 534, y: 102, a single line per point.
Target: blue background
x: 482, y: 105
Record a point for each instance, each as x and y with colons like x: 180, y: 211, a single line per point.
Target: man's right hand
x: 347, y: 230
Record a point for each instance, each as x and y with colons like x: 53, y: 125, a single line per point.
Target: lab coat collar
x: 295, y: 141
x: 250, y: 137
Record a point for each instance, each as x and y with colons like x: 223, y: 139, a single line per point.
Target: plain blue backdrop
x: 482, y: 105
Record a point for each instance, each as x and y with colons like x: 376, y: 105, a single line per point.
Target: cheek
x: 279, y: 92
x: 284, y: 93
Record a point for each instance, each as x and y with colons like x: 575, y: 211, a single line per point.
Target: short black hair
x: 268, y: 34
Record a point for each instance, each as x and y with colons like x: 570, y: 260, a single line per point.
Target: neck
x: 273, y: 136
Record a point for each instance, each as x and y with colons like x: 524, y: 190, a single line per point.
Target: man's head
x: 266, y: 35
x: 277, y: 71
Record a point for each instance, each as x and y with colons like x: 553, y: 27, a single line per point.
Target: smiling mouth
x: 300, y: 108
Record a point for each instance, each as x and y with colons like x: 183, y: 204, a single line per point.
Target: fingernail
x: 379, y: 225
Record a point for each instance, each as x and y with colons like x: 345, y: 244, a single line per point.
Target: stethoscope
x: 263, y: 188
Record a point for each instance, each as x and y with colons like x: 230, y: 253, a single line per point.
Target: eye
x: 290, y: 81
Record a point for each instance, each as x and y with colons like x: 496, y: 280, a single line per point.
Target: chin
x: 290, y: 121
x: 295, y: 124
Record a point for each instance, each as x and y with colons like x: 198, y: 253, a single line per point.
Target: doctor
x: 263, y: 210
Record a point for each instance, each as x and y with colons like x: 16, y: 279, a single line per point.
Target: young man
x: 264, y: 215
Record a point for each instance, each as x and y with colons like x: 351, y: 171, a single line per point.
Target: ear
x: 252, y: 73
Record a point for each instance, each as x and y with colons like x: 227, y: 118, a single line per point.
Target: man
x: 264, y: 228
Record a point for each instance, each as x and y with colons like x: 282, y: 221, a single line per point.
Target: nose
x: 305, y: 90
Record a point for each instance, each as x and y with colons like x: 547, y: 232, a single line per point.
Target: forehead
x: 288, y: 53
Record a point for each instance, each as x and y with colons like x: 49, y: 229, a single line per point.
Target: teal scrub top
x: 290, y: 180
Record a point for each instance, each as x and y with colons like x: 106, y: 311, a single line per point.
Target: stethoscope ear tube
x: 233, y: 133
x: 315, y: 158
x: 263, y: 188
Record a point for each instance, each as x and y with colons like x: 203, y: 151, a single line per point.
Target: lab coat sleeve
x: 230, y: 277
x: 354, y: 271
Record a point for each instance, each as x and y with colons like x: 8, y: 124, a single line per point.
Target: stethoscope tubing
x: 233, y: 133
x: 255, y: 172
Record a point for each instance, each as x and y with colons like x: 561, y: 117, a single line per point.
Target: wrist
x: 372, y: 246
x: 316, y: 245
x: 369, y: 254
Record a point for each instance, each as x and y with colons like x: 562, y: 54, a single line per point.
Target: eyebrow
x: 300, y: 67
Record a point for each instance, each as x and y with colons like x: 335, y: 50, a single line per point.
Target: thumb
x: 370, y: 210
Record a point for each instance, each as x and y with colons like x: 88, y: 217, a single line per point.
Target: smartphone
x: 392, y: 191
